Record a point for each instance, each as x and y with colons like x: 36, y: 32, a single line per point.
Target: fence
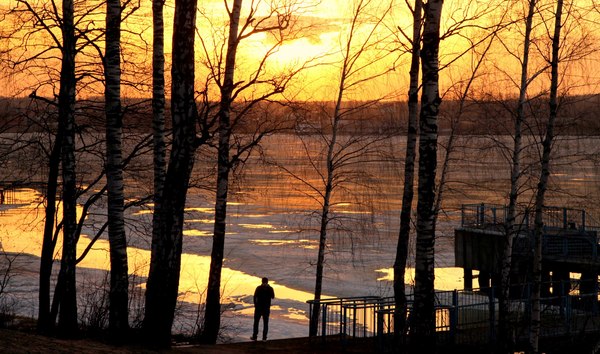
x: 462, y: 317
x: 7, y: 196
x: 582, y: 246
x: 486, y: 215
x: 353, y: 316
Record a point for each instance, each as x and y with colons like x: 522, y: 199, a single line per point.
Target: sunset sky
x: 322, y: 30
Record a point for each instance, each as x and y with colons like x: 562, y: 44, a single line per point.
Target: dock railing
x: 353, y: 316
x: 462, y: 317
x: 567, y: 233
x: 487, y: 215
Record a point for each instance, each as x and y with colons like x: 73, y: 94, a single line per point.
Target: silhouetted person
x: 262, y: 307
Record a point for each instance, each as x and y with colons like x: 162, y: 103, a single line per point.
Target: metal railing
x: 481, y: 215
x: 352, y: 316
x: 463, y: 317
x: 488, y: 215
x: 582, y: 246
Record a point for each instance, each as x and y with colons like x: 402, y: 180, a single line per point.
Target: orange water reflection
x: 21, y: 227
x: 446, y: 278
x: 307, y: 244
x: 194, y: 232
x: 256, y: 226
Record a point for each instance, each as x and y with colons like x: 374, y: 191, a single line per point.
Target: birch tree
x: 511, y: 230
x: 338, y: 153
x: 39, y: 31
x: 67, y: 321
x: 279, y: 24
x: 423, y: 331
x: 19, y: 15
x: 212, y: 316
x: 409, y: 173
x: 158, y: 113
x: 543, y: 183
x: 46, y: 258
x: 151, y: 324
x: 119, y: 281
x: 163, y: 278
x: 469, y: 55
x: 342, y: 153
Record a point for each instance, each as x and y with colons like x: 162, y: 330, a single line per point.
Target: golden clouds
x: 314, y: 35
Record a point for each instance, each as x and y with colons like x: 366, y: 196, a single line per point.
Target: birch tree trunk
x: 423, y: 329
x: 409, y: 176
x: 159, y: 160
x: 327, y: 201
x: 511, y: 230
x: 119, y: 282
x: 543, y: 184
x: 163, y: 279
x: 158, y: 113
x: 354, y: 48
x: 67, y: 322
x: 45, y: 324
x: 212, y: 316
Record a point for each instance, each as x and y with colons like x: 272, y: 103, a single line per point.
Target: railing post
x: 565, y: 223
x: 563, y: 295
x: 379, y: 321
x: 454, y: 317
x: 379, y: 330
x: 324, y: 322
x: 365, y: 319
x: 310, y: 321
x: 353, y: 319
x: 462, y: 216
x: 482, y: 214
x: 569, y: 311
x: 492, y: 309
x: 343, y: 324
x: 583, y: 220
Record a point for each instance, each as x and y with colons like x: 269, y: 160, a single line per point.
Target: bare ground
x: 19, y: 341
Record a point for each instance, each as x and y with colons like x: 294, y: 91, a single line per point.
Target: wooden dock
x: 569, y: 245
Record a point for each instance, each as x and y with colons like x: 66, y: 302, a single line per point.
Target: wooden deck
x: 569, y: 244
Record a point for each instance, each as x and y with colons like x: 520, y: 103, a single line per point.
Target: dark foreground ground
x: 16, y: 341
x: 19, y: 341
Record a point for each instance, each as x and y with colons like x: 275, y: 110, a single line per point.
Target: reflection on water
x: 200, y: 221
x: 275, y: 206
x: 142, y: 212
x: 254, y: 216
x: 21, y: 229
x: 194, y: 232
x: 446, y: 278
x: 201, y: 210
x: 296, y: 314
x: 256, y: 226
x: 356, y: 212
x: 307, y: 244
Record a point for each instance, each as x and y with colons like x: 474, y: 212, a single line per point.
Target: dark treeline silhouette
x: 485, y: 116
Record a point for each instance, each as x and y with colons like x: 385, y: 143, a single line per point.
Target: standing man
x: 262, y: 307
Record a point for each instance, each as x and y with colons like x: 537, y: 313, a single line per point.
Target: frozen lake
x: 272, y: 229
